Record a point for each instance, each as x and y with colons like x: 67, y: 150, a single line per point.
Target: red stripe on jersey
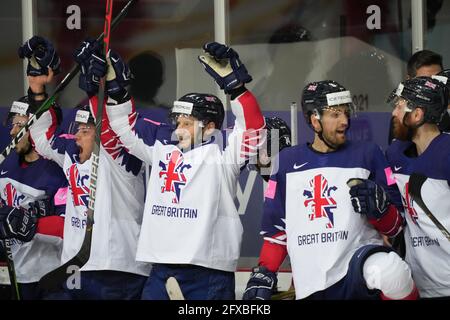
x: 51, y: 226
x: 272, y: 255
x: 252, y: 113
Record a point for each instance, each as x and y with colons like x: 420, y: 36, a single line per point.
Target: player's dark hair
x: 423, y: 58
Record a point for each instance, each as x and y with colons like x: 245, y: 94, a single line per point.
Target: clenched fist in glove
x: 17, y: 223
x: 368, y: 198
x: 261, y: 285
x: 93, y: 66
x: 41, y: 55
x: 118, y: 75
x: 223, y: 64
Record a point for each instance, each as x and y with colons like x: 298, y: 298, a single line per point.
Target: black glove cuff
x: 234, y: 93
x: 121, y: 96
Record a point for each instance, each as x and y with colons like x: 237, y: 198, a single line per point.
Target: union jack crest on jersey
x: 172, y: 173
x: 319, y: 200
x: 11, y: 196
x: 77, y: 182
x: 408, y: 203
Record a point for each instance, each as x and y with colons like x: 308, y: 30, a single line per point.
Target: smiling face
x: 190, y: 131
x: 85, y: 139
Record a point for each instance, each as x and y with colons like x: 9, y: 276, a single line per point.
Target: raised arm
x: 224, y: 65
x: 43, y: 63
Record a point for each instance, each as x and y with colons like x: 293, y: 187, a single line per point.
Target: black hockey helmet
x: 204, y: 107
x: 317, y: 96
x: 284, y: 134
x: 83, y: 115
x: 444, y: 77
x: 22, y: 107
x: 427, y: 93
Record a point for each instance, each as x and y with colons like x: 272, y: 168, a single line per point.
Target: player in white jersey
x: 26, y: 179
x: 332, y: 237
x: 191, y: 228
x: 420, y: 159
x: 111, y: 271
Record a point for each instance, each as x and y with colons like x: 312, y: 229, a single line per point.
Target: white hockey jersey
x: 190, y: 216
x: 118, y: 204
x: 427, y: 249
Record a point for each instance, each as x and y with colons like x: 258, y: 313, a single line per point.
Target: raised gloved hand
x: 93, y: 68
x: 42, y: 208
x: 368, y: 198
x: 92, y: 64
x: 17, y: 223
x: 261, y: 285
x: 118, y: 75
x: 223, y: 64
x: 41, y: 55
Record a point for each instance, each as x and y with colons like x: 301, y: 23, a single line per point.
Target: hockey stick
x: 416, y: 181
x: 284, y: 295
x: 11, y: 270
x: 55, y: 278
x: 50, y: 100
x: 173, y: 289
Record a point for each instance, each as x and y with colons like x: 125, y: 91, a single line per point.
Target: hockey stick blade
x: 416, y: 181
x: 64, y: 83
x: 173, y: 289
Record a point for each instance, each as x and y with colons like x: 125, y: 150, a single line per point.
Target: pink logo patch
x: 271, y: 188
x: 312, y: 87
x: 60, y: 196
x: 389, y: 177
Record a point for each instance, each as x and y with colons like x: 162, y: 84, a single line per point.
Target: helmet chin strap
x: 321, y: 137
x: 410, y: 129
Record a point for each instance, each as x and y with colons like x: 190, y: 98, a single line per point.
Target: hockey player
x: 278, y: 137
x: 420, y: 148
x: 444, y: 124
x: 32, y: 190
x: 332, y: 238
x: 111, y: 271
x: 191, y: 228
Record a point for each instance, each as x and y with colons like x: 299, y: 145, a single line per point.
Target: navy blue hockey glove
x: 17, y: 223
x: 368, y: 198
x: 118, y: 75
x: 42, y: 208
x: 92, y: 64
x: 223, y: 64
x: 41, y: 55
x: 261, y: 285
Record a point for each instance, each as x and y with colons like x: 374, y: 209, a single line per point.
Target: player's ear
x: 315, y: 122
x: 419, y: 115
x: 209, y: 128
